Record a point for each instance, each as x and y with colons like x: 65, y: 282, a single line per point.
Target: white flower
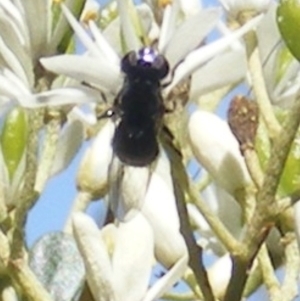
x: 281, y: 70
x: 118, y: 260
x: 135, y: 191
x: 226, y: 68
x: 234, y: 7
x: 158, y: 206
x: 101, y: 67
x: 216, y: 148
x: 144, y: 235
x: 24, y: 83
x: 22, y: 44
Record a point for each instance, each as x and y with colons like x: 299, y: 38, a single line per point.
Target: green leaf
x: 288, y: 21
x: 283, y: 61
x: 14, y: 139
x: 57, y: 263
x: 290, y: 178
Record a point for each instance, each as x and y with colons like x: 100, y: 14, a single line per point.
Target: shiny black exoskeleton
x: 139, y: 107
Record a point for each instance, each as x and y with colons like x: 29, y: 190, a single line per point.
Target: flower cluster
x: 60, y: 76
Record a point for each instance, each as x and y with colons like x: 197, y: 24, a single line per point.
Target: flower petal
x: 12, y: 61
x: 128, y: 31
x: 196, y: 58
x: 165, y: 283
x: 170, y: 248
x: 12, y: 37
x: 59, y: 97
x: 190, y: 7
x: 38, y: 12
x: 86, y: 69
x: 234, y: 7
x: 159, y: 203
x: 81, y: 33
x: 147, y: 19
x: 228, y: 211
x: 226, y: 68
x: 96, y: 259
x: 103, y: 46
x: 133, y: 258
x: 11, y: 86
x: 168, y: 24
x: 17, y: 21
x: 219, y: 281
x: 204, y: 22
x: 68, y: 145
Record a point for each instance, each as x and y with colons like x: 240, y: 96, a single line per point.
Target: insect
x: 139, y: 107
x: 137, y: 113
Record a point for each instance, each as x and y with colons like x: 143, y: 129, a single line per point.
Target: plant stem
x: 266, y: 210
x: 180, y: 183
x: 259, y: 86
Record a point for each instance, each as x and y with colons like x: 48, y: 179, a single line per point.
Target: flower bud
x: 118, y: 275
x: 161, y: 212
x: 219, y: 280
x: 99, y: 273
x: 93, y: 171
x: 216, y: 148
x: 132, y: 269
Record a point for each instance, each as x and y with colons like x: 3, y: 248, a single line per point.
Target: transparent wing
x: 128, y: 188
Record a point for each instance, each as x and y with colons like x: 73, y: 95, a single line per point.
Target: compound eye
x: 161, y: 65
x: 147, y: 62
x: 128, y: 61
x: 148, y: 57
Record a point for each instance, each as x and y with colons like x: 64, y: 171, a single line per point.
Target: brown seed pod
x: 243, y: 121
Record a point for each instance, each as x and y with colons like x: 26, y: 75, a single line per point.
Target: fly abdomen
x: 139, y: 107
x: 136, y: 145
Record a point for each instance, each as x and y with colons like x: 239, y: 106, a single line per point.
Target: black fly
x: 139, y: 107
x: 137, y: 113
